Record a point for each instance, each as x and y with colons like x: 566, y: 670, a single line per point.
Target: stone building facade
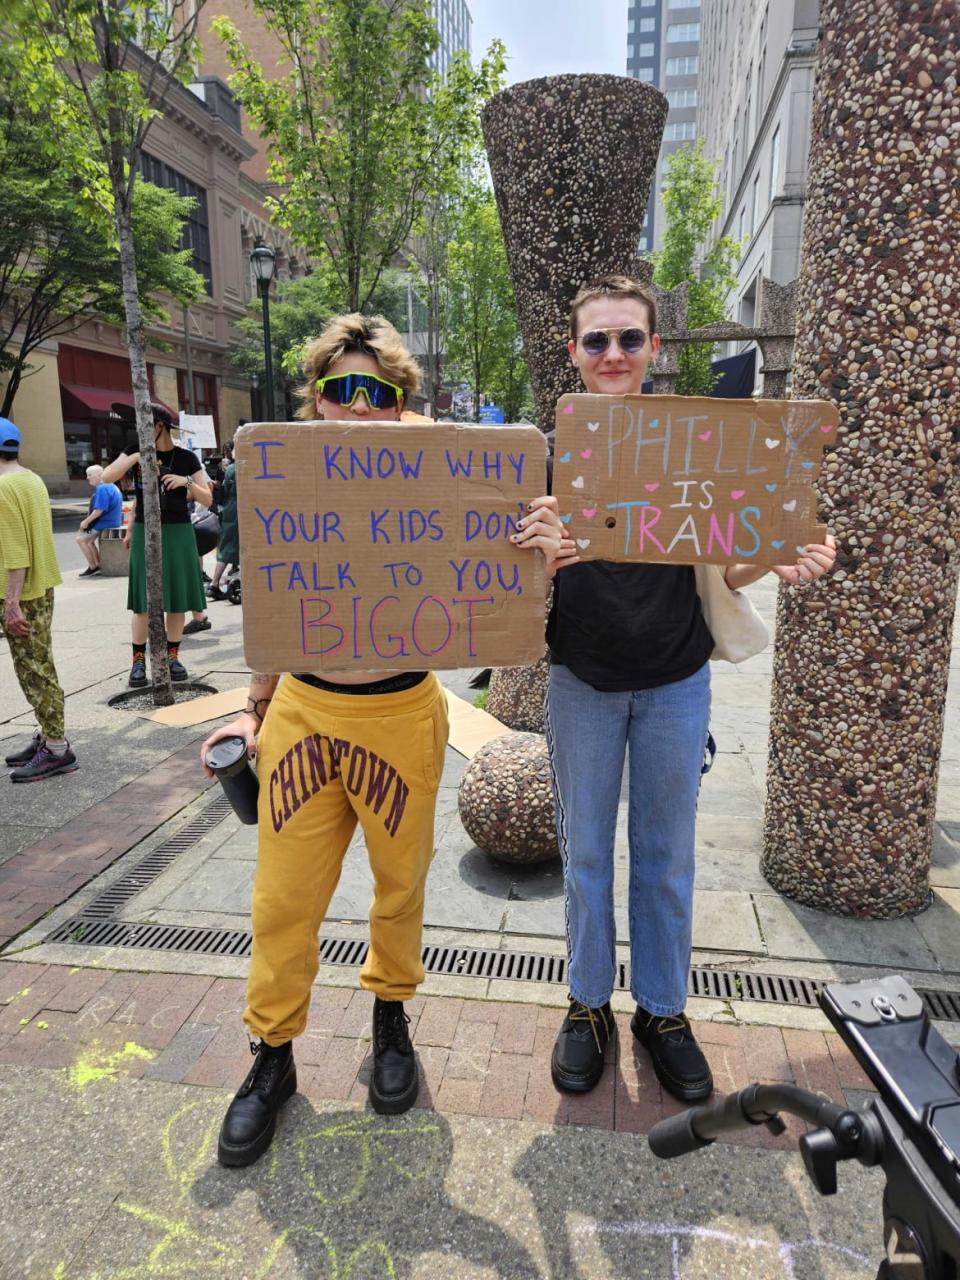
x: 64, y: 408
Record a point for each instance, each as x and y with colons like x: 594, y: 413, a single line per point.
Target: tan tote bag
x: 738, y: 630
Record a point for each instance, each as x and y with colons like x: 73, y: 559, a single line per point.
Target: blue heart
x: 777, y: 545
x: 567, y: 518
x: 565, y: 458
x: 770, y: 488
x: 808, y: 465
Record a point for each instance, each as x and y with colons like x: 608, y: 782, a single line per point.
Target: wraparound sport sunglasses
x: 345, y: 387
x: 631, y: 339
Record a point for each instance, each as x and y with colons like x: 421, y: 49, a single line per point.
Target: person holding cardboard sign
x: 630, y: 669
x: 352, y: 747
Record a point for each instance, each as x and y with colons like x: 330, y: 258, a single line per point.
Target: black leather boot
x: 577, y: 1060
x: 395, y: 1081
x: 251, y: 1118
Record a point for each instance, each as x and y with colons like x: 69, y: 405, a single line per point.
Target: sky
x: 551, y: 37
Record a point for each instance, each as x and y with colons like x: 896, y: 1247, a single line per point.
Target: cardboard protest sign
x: 385, y: 546
x: 690, y: 479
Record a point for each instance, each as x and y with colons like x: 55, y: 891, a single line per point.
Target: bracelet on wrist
x: 254, y: 705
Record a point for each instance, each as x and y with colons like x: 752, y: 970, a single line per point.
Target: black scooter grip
x: 675, y: 1136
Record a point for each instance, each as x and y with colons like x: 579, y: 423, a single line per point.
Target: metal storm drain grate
x: 93, y: 927
x: 475, y: 962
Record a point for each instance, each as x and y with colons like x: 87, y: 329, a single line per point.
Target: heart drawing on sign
x: 826, y: 426
x: 704, y: 435
x: 567, y: 518
x: 777, y: 544
x: 791, y: 505
x: 578, y: 483
x: 565, y: 458
x: 583, y: 543
x: 589, y: 513
x: 593, y: 426
x: 771, y: 444
x: 770, y: 488
x: 652, y: 488
x: 568, y: 408
x: 737, y: 494
x: 586, y: 453
x: 806, y: 465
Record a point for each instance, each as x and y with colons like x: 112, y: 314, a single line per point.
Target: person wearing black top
x: 630, y: 669
x: 353, y: 747
x: 182, y: 480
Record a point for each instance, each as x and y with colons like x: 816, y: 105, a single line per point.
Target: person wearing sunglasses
x: 357, y: 370
x: 630, y: 675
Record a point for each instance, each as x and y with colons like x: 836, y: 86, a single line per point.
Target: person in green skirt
x: 182, y: 481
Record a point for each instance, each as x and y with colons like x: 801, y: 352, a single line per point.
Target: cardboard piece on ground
x: 470, y: 727
x: 690, y: 479
x: 183, y: 714
x: 385, y: 546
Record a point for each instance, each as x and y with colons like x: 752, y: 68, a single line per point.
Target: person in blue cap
x: 28, y: 574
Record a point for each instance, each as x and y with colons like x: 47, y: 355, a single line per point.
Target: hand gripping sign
x: 385, y: 547
x: 688, y: 479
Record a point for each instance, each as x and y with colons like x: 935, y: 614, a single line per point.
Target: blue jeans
x: 588, y: 733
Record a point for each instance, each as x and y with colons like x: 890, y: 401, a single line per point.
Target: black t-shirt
x: 174, y: 508
x: 627, y: 626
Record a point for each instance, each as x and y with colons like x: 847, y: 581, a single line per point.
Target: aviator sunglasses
x: 345, y: 387
x: 631, y: 339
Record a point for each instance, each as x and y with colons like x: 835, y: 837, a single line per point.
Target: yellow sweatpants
x: 326, y: 761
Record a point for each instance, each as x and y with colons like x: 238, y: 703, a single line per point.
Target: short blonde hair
x: 369, y: 335
x: 614, y: 286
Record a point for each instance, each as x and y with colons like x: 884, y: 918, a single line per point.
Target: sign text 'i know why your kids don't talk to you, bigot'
x: 381, y: 546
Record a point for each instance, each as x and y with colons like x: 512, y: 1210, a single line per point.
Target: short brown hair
x: 614, y: 286
x: 370, y: 336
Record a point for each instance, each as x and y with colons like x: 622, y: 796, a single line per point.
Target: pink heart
x: 651, y: 488
x: 827, y: 426
x: 589, y: 513
x: 586, y: 453
x: 705, y: 435
x: 737, y: 493
x: 568, y: 408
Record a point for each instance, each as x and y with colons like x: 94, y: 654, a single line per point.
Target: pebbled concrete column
x: 572, y: 158
x: 861, y: 660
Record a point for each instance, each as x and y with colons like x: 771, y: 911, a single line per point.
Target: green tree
x: 59, y: 268
x: 363, y: 135
x: 484, y: 336
x: 101, y: 70
x: 691, y: 204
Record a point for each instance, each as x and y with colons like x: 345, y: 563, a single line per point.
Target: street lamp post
x: 263, y: 260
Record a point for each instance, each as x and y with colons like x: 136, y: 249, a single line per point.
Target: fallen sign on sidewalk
x: 385, y: 546
x: 690, y: 479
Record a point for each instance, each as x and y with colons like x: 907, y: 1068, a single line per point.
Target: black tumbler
x: 228, y: 760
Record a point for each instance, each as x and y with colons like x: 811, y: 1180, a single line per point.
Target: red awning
x: 95, y: 402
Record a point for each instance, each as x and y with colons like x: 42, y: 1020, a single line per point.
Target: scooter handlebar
x: 676, y: 1135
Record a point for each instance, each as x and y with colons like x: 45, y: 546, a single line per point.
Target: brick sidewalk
x: 47, y: 873
x: 479, y: 1058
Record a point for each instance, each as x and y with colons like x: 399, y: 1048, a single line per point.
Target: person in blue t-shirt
x: 105, y: 512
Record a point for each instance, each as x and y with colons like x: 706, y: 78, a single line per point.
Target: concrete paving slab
x: 730, y: 789
x: 945, y: 862
x: 220, y: 884
x: 733, y: 867
x: 795, y: 931
x: 423, y: 1196
x: 939, y: 926
x: 725, y: 921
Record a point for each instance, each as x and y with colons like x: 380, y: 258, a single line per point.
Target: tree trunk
x: 10, y: 391
x: 159, y: 666
x: 863, y: 655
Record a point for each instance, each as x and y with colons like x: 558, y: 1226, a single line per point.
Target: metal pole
x: 191, y: 403
x: 267, y: 353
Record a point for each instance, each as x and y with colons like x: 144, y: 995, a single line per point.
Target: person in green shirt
x: 28, y: 574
